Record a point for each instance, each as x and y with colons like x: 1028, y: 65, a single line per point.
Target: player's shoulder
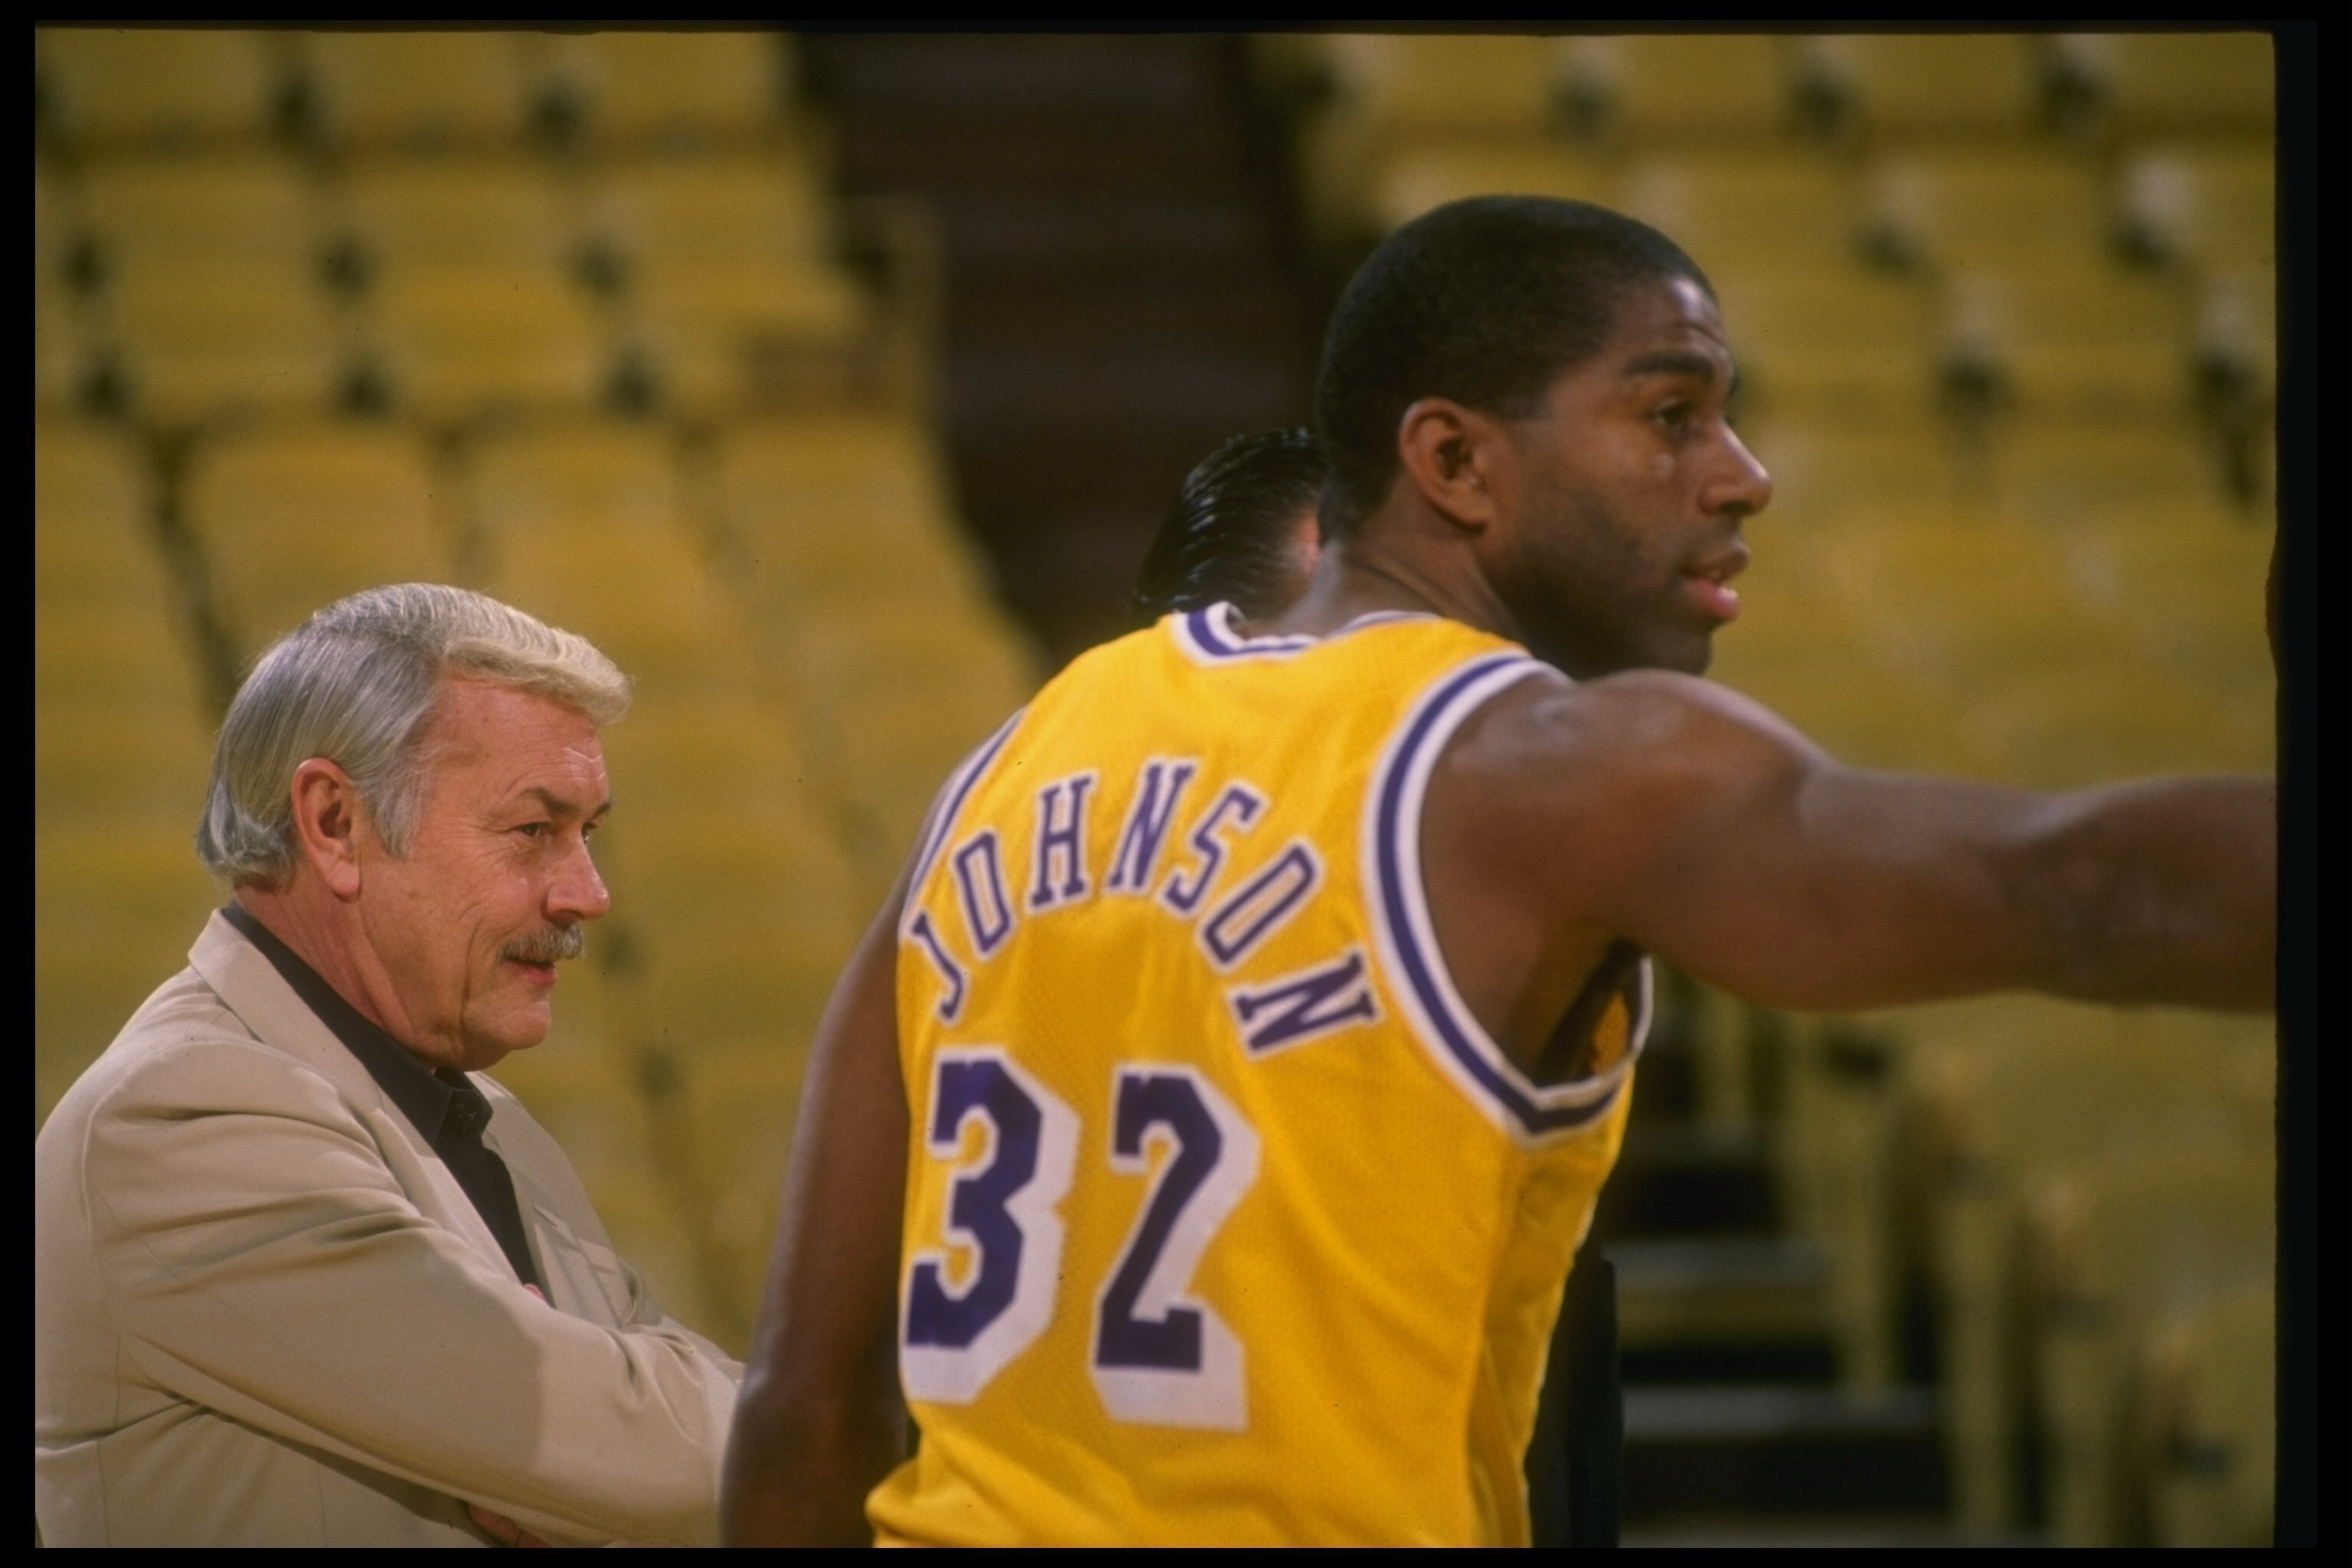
x: 1651, y: 736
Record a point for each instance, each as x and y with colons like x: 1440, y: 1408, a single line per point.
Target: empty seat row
x: 99, y: 87
x: 451, y: 344
x: 258, y: 206
x: 2205, y: 203
x: 1886, y: 86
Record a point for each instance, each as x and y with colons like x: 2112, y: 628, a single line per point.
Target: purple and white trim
x: 1209, y: 636
x: 1407, y: 939
x: 944, y: 811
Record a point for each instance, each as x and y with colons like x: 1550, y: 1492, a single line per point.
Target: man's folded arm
x: 263, y: 1262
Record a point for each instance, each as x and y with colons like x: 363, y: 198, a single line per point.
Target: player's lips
x: 1708, y: 581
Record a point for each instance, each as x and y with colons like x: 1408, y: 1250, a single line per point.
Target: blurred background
x: 834, y: 385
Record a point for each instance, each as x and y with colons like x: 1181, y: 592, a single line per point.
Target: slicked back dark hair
x: 1229, y: 536
x: 1487, y: 301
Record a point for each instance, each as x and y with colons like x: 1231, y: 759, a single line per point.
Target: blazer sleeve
x: 263, y: 1261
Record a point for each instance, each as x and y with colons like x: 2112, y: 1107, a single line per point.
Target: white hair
x: 355, y: 684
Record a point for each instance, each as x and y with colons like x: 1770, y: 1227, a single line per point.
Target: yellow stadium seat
x: 2068, y: 472
x: 715, y: 985
x: 744, y: 207
x: 2121, y: 1247
x: 1930, y: 84
x: 113, y: 85
x: 741, y: 1101
x: 637, y: 86
x: 116, y: 906
x: 1965, y: 603
x: 95, y: 539
x: 756, y: 907
x: 140, y: 761
x: 2093, y: 723
x: 2001, y: 1092
x: 1430, y: 84
x: 638, y: 595
x: 461, y: 212
x: 1827, y: 471
x: 578, y: 472
x: 837, y: 510
x: 900, y: 696
x: 61, y: 360
x: 2237, y: 323
x: 227, y: 337
x: 2178, y: 81
x: 2207, y: 204
x: 2086, y: 341
x: 293, y: 518
x: 129, y: 655
x: 1424, y: 175
x: 215, y: 208
x: 1741, y: 212
x: 1646, y: 89
x: 2188, y: 585
x: 1834, y: 345
x: 697, y: 753
x: 724, y: 335
x: 1990, y: 207
x: 459, y: 341
x: 2212, y: 1437
x: 448, y: 89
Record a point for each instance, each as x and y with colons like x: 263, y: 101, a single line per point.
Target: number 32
x: 1157, y: 1355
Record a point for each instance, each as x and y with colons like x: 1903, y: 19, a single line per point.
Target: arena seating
x: 2207, y: 1424
x: 317, y: 311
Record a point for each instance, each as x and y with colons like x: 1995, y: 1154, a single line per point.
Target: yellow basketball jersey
x: 1226, y: 1220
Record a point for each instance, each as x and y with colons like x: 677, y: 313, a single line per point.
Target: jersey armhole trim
x: 1406, y: 937
x: 944, y: 812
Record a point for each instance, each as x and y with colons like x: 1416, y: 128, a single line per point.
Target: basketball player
x: 1201, y: 1138
x: 1243, y: 530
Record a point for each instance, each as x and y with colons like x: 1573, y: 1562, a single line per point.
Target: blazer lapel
x: 251, y: 987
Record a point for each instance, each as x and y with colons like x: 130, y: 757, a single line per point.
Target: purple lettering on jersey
x: 989, y: 926
x: 1062, y: 839
x: 1238, y: 801
x: 1261, y: 904
x: 1156, y: 791
x: 1302, y: 1005
x: 923, y: 932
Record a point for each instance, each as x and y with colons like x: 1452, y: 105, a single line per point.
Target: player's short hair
x: 1486, y: 300
x: 1228, y: 536
x: 356, y: 684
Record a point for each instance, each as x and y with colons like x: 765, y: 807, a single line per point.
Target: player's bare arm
x: 819, y: 1420
x: 1680, y: 816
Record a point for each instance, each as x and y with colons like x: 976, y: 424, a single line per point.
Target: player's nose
x: 1740, y: 486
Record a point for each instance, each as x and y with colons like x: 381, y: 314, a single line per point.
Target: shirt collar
x: 439, y: 1101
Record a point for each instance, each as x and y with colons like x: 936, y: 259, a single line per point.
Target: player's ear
x: 1449, y: 454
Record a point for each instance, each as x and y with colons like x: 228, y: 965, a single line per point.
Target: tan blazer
x: 265, y: 1312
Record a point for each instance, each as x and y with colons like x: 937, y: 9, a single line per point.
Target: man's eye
x: 532, y: 829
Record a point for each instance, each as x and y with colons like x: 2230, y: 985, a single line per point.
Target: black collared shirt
x: 440, y: 1102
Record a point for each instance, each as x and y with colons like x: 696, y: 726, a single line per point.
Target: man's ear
x: 327, y: 824
x: 1450, y: 453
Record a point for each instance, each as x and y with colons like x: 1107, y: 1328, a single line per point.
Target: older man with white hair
x: 303, y: 1275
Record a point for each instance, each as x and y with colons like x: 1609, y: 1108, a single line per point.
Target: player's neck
x: 1375, y: 572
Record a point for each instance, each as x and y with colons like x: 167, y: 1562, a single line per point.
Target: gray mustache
x: 556, y: 945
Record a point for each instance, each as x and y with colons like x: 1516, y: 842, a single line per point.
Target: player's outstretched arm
x: 819, y: 1422
x: 1689, y: 819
